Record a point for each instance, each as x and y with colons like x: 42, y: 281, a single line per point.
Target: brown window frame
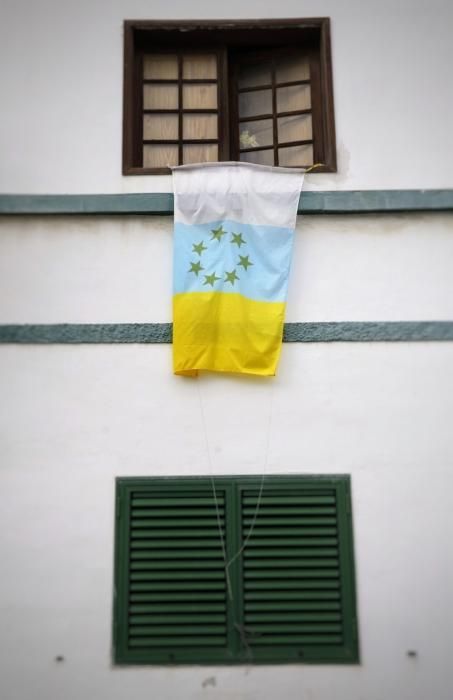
x: 228, y: 39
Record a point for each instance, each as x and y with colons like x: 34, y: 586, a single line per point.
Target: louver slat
x: 144, y: 565
x: 148, y: 545
x: 176, y: 643
x: 279, y: 604
x: 207, y: 501
x: 293, y: 595
x: 171, y: 575
x: 176, y: 570
x: 158, y: 609
x: 291, y: 572
x: 294, y: 617
x: 163, y: 618
x: 186, y: 553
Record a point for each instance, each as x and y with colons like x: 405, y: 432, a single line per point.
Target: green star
x: 244, y: 261
x: 217, y: 233
x: 198, y: 247
x: 195, y: 267
x: 231, y: 276
x: 211, y: 279
x: 237, y: 238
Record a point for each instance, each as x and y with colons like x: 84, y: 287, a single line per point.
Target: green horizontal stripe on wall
x: 334, y: 202
x: 352, y: 332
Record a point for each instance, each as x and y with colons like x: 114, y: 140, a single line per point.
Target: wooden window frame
x: 144, y: 35
x: 232, y: 493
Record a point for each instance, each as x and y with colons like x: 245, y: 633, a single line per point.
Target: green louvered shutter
x: 291, y: 594
x: 298, y: 578
x: 171, y: 602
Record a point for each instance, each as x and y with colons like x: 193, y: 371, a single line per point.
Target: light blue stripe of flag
x: 268, y: 248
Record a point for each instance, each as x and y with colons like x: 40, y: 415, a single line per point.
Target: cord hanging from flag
x: 233, y: 239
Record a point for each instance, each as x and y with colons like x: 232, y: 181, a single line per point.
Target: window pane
x: 253, y: 103
x: 258, y: 133
x: 294, y: 128
x: 199, y: 96
x: 197, y: 153
x: 159, y: 156
x: 289, y: 99
x: 254, y: 75
x: 199, y: 66
x: 260, y: 157
x: 200, y: 126
x: 160, y: 126
x: 296, y: 155
x: 160, y: 97
x: 291, y: 68
x: 160, y: 66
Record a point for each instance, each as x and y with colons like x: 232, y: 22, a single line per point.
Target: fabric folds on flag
x: 233, y: 239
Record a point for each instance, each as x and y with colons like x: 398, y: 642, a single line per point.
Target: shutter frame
x: 239, y: 647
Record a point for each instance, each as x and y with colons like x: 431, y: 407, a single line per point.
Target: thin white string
x: 260, y: 493
x: 219, y: 524
x: 229, y: 562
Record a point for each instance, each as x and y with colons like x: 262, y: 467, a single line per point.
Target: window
x: 259, y: 92
x: 289, y: 593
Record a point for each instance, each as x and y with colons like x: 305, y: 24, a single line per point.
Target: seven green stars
x: 231, y: 277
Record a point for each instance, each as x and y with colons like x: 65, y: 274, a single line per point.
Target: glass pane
x: 160, y: 66
x: 199, y: 96
x: 160, y: 126
x: 160, y: 97
x: 202, y: 66
x: 159, y: 156
x: 254, y: 75
x: 289, y: 99
x: 295, y: 128
x: 260, y: 157
x: 296, y: 155
x: 258, y: 133
x: 199, y: 126
x: 197, y: 153
x: 253, y: 103
x: 291, y: 68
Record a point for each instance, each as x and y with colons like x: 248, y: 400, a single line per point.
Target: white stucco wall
x: 74, y: 417
x: 61, y: 88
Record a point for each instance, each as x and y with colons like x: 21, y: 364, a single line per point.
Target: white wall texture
x: 74, y: 417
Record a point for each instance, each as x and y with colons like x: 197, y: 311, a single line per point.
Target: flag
x: 233, y: 239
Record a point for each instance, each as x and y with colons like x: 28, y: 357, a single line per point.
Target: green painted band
x: 352, y: 332
x: 333, y: 202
